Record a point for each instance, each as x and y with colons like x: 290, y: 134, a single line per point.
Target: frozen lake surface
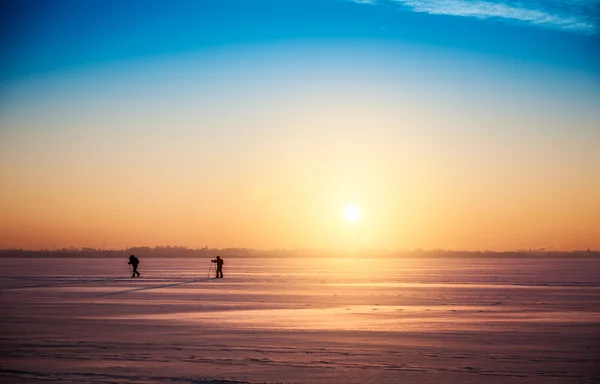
x: 301, y: 321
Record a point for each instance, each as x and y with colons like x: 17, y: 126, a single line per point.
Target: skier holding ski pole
x: 219, y: 263
x: 133, y: 262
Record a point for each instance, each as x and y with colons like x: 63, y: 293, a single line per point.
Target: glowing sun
x: 352, y: 213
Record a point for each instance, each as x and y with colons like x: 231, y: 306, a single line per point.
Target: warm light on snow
x: 373, y: 319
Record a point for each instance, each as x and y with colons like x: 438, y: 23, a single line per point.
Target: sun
x: 352, y: 213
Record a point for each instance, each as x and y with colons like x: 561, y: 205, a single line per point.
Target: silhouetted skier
x: 219, y: 262
x: 133, y: 261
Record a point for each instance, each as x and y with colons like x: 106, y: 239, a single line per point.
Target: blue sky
x: 44, y: 36
x: 451, y: 123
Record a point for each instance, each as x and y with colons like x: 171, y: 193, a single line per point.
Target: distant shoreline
x: 163, y: 253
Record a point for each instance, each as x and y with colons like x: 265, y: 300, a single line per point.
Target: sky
x: 320, y: 124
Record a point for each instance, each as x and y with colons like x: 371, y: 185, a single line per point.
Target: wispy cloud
x: 575, y: 15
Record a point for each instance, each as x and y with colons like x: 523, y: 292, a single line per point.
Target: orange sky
x: 458, y: 159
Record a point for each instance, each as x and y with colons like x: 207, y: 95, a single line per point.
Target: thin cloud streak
x: 578, y: 16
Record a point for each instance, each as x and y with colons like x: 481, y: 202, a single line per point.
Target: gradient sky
x: 451, y: 124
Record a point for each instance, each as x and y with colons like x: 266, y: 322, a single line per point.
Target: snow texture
x: 300, y: 321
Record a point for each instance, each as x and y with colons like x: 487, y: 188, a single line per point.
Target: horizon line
x: 287, y: 250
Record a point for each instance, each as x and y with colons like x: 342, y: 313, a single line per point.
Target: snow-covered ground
x: 301, y: 321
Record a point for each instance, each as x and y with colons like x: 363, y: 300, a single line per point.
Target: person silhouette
x: 133, y: 261
x: 219, y: 262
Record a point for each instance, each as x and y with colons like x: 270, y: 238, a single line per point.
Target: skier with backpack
x: 133, y: 261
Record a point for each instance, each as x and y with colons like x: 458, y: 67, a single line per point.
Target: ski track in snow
x: 300, y: 321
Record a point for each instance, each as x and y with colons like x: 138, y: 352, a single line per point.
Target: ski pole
x: 209, y: 268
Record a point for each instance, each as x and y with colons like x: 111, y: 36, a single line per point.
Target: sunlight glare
x: 352, y: 213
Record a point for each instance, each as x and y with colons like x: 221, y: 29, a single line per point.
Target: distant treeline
x: 184, y: 252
